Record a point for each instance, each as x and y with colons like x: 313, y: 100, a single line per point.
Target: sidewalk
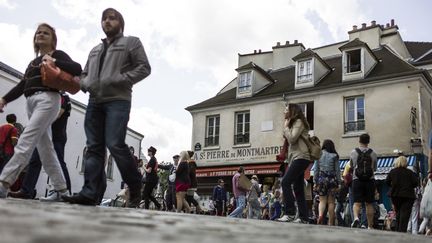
x: 31, y: 221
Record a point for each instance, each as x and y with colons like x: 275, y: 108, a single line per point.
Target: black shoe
x: 134, y: 199
x: 20, y: 194
x: 79, y: 199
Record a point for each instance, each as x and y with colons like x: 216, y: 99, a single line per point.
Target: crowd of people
x: 112, y: 68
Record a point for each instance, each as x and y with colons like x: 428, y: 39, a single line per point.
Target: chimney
x: 287, y: 43
x: 255, y: 52
x: 295, y: 42
x: 354, y: 27
x: 387, y: 25
x: 363, y: 25
x: 392, y: 22
x: 259, y: 51
x: 373, y: 23
x: 278, y: 43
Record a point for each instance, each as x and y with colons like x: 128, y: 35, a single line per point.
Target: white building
x: 374, y: 82
x: 75, y: 145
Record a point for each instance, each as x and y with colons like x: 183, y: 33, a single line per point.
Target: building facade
x: 374, y: 82
x: 75, y: 146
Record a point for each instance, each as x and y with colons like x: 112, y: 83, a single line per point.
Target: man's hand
x: 2, y: 104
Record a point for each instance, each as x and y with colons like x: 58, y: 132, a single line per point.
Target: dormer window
x: 245, y: 82
x: 353, y: 61
x: 304, y: 73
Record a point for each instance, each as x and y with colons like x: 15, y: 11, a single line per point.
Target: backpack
x: 314, y: 146
x: 364, y: 168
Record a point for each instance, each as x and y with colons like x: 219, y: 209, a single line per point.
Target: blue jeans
x: 241, y: 203
x: 105, y: 125
x: 34, y: 168
x: 295, y: 176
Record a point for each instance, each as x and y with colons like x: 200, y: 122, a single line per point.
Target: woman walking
x: 327, y: 179
x: 43, y: 107
x: 296, y: 130
x: 402, y: 182
x: 182, y: 182
x: 151, y: 179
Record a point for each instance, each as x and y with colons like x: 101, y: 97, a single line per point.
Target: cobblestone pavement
x: 32, y: 221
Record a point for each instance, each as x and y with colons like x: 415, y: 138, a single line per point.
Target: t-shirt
x: 354, y: 157
x: 152, y: 176
x: 59, y: 126
x: 6, y: 138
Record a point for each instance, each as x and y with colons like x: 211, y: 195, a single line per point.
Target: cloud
x: 7, y: 4
x: 167, y: 135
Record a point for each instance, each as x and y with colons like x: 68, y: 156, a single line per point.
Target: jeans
x: 403, y: 207
x: 105, y: 125
x: 241, y: 203
x: 34, y: 168
x: 413, y: 226
x: 339, y: 212
x: 171, y: 197
x: 295, y: 177
x: 42, y: 110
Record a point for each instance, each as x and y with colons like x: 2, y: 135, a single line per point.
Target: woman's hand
x: 2, y: 104
x: 286, y: 123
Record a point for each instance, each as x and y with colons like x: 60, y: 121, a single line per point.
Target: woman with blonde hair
x: 402, y: 182
x: 182, y: 182
x: 43, y: 107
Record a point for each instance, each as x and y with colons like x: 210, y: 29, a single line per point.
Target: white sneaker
x: 300, y: 221
x: 3, y: 191
x: 54, y: 196
x: 286, y: 218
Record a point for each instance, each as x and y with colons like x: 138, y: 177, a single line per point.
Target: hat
x: 152, y: 149
x: 255, y: 177
x: 176, y: 156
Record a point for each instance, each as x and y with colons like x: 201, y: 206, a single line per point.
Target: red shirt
x: 4, y: 131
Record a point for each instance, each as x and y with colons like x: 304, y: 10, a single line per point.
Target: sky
x: 193, y: 45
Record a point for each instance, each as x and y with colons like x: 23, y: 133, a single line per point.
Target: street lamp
x: 417, y: 149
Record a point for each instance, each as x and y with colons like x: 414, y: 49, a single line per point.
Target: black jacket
x: 402, y: 182
x: 192, y: 174
x: 182, y: 173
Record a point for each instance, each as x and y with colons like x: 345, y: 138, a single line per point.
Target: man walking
x: 112, y: 68
x: 170, y: 193
x: 239, y: 194
x: 8, y: 139
x: 363, y: 160
x: 220, y: 198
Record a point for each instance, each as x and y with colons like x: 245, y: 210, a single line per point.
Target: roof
x: 417, y: 49
x: 310, y: 53
x: 390, y: 66
x: 354, y: 43
x: 6, y: 68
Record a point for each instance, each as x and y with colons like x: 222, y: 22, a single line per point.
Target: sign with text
x: 238, y: 154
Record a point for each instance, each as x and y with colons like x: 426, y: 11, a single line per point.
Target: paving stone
x: 30, y: 221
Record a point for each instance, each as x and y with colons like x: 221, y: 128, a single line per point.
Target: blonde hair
x: 184, y: 156
x: 401, y: 161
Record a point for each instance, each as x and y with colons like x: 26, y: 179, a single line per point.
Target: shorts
x: 363, y: 191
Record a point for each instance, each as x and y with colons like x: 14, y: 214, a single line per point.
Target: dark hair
x: 131, y: 148
x: 11, y: 118
x: 295, y: 113
x: 364, y: 138
x: 53, y: 34
x: 118, y: 15
x: 191, y: 153
x: 152, y: 149
x: 329, y: 146
x: 240, y: 169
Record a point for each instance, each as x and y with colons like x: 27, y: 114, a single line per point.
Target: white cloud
x: 7, y: 4
x: 167, y: 135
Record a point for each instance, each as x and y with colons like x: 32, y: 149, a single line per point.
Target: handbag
x: 54, y: 77
x: 244, y: 183
x: 314, y: 146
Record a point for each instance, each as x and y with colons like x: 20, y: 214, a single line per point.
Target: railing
x: 241, y: 138
x: 354, y: 126
x: 245, y: 88
x: 211, y: 141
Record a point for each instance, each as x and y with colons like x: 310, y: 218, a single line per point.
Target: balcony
x: 354, y: 126
x: 241, y: 138
x: 211, y: 141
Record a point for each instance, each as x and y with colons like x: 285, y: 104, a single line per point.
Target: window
x: 353, y: 59
x: 212, y: 132
x: 304, y: 73
x: 245, y: 82
x: 308, y: 111
x: 242, y: 127
x: 109, y: 172
x: 354, y: 114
